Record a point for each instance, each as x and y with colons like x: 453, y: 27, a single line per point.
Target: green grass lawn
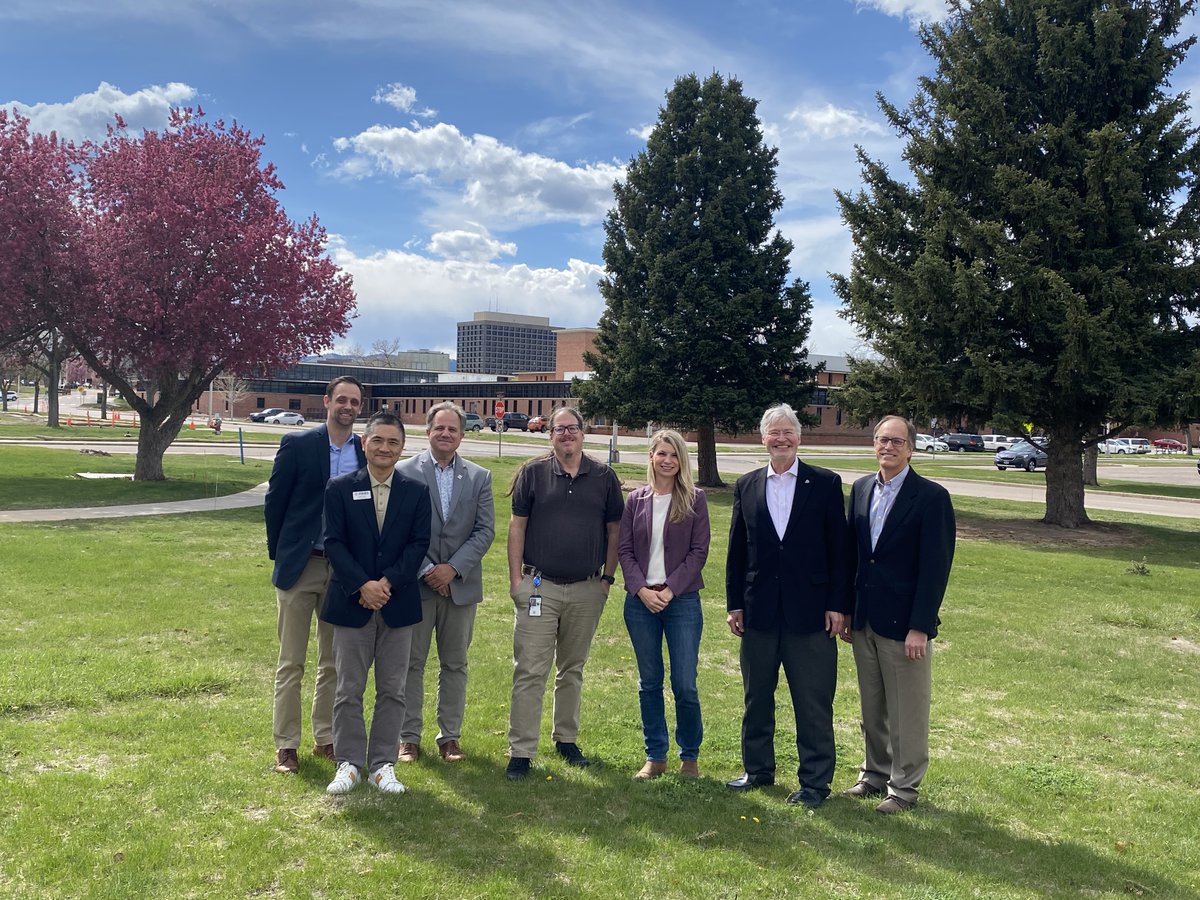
x: 135, y: 738
x: 38, y: 477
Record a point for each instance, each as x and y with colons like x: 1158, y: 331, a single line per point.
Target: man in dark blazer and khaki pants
x: 295, y: 542
x: 463, y: 527
x: 376, y: 535
x: 901, y: 546
x: 787, y: 595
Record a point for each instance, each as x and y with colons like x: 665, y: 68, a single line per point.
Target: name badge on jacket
x: 362, y: 495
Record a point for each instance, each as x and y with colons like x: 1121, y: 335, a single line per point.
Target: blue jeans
x: 681, y: 623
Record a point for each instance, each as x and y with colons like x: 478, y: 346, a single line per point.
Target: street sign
x: 499, y: 409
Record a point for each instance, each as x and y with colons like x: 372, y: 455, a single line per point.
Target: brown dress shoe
x: 650, y: 770
x: 863, y: 790
x: 893, y: 805
x: 409, y: 752
x: 324, y: 751
x: 689, y: 768
x: 287, y: 762
x: 451, y: 752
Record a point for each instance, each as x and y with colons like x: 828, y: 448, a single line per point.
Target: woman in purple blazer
x: 663, y: 547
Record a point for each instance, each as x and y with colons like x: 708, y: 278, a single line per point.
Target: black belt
x: 318, y: 553
x: 532, y: 570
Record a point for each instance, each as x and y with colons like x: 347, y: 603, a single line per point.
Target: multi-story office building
x: 503, y: 343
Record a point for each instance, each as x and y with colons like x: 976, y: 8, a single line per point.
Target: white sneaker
x: 384, y: 778
x: 344, y: 779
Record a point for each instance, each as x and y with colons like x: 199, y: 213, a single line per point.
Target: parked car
x: 998, y: 441
x: 1169, y: 445
x: 538, y: 423
x: 1021, y: 455
x: 1139, y: 445
x: 1112, y: 445
x: 262, y: 414
x: 474, y: 422
x: 11, y: 396
x: 930, y: 443
x: 510, y: 421
x: 963, y: 442
x: 285, y: 417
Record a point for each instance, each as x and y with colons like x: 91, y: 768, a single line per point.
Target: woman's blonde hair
x: 683, y: 493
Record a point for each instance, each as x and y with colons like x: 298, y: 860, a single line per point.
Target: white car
x: 930, y: 443
x: 12, y: 396
x: 287, y: 417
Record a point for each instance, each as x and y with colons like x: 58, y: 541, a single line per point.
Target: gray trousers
x: 354, y: 650
x: 895, y: 693
x: 454, y: 626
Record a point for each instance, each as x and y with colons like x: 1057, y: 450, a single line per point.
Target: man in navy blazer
x: 377, y: 532
x: 787, y: 595
x: 295, y: 541
x: 901, y: 549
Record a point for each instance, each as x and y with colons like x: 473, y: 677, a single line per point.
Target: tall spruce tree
x: 1040, y: 265
x: 701, y: 329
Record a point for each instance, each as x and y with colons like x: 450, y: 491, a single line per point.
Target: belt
x: 318, y: 553
x: 532, y: 570
x: 657, y: 587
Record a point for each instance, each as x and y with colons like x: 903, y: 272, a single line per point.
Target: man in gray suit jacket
x: 462, y: 529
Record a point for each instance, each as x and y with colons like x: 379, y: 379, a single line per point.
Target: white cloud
x: 469, y: 246
x: 913, y: 10
x: 403, y: 98
x: 89, y: 115
x: 420, y: 300
x: 481, y: 178
x: 829, y: 121
x: 642, y: 132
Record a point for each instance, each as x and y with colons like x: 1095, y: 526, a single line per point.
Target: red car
x: 1169, y: 445
x: 538, y: 423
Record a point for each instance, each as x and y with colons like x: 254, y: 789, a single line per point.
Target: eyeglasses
x: 565, y: 429
x: 891, y: 441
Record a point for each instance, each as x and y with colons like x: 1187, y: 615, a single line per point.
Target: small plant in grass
x: 1138, y: 568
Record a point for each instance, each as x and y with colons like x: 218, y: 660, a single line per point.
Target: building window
x: 294, y: 404
x: 260, y: 403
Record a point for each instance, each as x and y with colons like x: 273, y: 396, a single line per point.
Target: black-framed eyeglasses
x: 891, y: 441
x: 565, y: 429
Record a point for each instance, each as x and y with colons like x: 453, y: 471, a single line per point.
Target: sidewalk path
x: 252, y: 497
x: 1032, y: 493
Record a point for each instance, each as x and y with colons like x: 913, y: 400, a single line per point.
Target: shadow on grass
x: 502, y: 837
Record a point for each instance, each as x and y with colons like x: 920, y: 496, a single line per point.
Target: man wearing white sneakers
x: 376, y: 535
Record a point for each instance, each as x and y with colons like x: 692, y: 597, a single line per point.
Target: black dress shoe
x: 518, y: 768
x: 572, y: 754
x: 748, y: 782
x: 806, y: 797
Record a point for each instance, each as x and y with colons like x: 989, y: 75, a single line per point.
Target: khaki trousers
x: 454, y: 625
x: 895, y: 693
x: 561, y: 635
x: 297, y: 607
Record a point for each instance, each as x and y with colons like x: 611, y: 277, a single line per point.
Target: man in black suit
x: 787, y: 595
x: 295, y: 541
x: 376, y: 534
x: 901, y: 549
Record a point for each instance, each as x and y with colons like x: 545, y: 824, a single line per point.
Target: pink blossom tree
x: 42, y: 264
x: 194, y: 269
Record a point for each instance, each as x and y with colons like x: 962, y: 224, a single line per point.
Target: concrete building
x: 503, y: 343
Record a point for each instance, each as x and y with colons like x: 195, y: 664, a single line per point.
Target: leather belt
x: 318, y: 553
x: 533, y: 571
x: 657, y: 587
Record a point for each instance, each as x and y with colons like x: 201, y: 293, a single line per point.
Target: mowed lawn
x: 135, y: 738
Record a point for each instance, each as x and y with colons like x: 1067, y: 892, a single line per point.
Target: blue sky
x: 461, y: 153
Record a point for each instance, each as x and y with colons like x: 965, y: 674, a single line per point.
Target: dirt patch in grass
x: 1183, y: 645
x: 1031, y: 532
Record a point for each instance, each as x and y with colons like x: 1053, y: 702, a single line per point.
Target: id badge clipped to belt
x: 535, y: 599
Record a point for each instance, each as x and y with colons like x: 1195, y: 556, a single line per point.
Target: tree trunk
x: 706, y: 457
x: 1089, y: 466
x: 152, y: 444
x: 1064, y: 482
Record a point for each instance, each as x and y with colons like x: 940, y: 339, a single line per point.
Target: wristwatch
x: 608, y: 578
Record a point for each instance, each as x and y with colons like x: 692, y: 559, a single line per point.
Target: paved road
x: 731, y: 463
